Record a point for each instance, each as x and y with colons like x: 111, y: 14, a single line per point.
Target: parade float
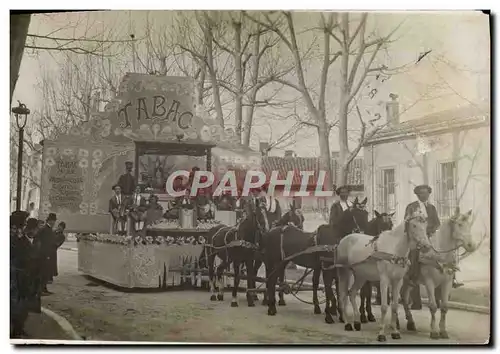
x: 153, y: 123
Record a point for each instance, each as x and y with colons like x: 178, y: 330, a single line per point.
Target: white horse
x: 383, y: 259
x: 437, y: 268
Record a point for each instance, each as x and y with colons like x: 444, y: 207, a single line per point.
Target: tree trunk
x: 343, y: 108
x: 238, y: 106
x: 211, y: 71
x: 250, y: 109
x: 19, y: 25
x: 200, y: 84
x: 425, y: 169
x: 324, y: 151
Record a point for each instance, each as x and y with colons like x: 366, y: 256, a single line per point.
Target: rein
x: 451, y: 235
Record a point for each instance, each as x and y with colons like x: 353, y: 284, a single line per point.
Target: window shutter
x: 379, y: 189
x: 438, y: 190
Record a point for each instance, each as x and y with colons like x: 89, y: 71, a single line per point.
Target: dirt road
x: 101, y: 313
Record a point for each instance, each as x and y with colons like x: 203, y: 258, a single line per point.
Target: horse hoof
x: 410, y: 326
x: 213, y: 298
x: 317, y: 310
x: 444, y: 335
x: 220, y: 297
x: 234, y: 304
x: 281, y: 303
x: 348, y: 327
x: 251, y: 304
x: 434, y: 335
x: 357, y: 326
x: 371, y: 318
x: 396, y: 336
x: 363, y: 319
x: 381, y: 338
x: 265, y: 302
x: 329, y: 319
x: 271, y: 312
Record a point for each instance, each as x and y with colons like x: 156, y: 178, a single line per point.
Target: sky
x: 459, y: 61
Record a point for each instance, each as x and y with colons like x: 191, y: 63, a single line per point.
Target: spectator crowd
x: 33, y: 264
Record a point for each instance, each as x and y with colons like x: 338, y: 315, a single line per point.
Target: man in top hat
x: 127, y: 181
x: 429, y: 211
x: 44, y: 242
x: 117, y: 209
x: 339, y: 207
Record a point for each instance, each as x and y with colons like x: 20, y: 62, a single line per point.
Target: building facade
x: 450, y: 151
x: 290, y: 162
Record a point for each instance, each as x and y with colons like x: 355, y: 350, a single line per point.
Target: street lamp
x: 21, y: 112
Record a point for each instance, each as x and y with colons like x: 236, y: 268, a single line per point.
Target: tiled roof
x: 450, y: 119
x: 297, y: 164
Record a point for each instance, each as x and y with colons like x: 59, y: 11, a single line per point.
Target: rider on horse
x: 427, y: 209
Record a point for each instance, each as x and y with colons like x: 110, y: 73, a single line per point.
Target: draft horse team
x: 351, y: 251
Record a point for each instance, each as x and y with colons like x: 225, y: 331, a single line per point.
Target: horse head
x: 361, y: 205
x: 417, y: 231
x: 383, y: 221
x: 355, y: 219
x: 460, y: 229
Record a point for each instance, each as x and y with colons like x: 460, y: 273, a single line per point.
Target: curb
x: 69, y: 248
x: 63, y: 323
x: 451, y: 305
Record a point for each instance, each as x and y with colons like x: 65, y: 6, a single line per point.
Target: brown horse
x: 381, y: 222
x: 283, y: 242
x: 236, y: 245
x: 292, y: 217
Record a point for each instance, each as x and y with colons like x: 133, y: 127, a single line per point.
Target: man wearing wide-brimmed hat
x: 340, y: 206
x: 429, y: 211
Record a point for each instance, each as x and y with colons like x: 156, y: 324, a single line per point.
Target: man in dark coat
x: 429, y: 211
x: 127, y: 181
x: 273, y: 207
x: 44, y: 242
x: 339, y: 207
x: 18, y: 272
x: 117, y: 208
x: 59, y: 239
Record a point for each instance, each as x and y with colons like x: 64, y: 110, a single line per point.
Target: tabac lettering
x: 158, y: 109
x: 124, y: 112
x: 173, y: 111
x: 155, y: 107
x: 185, y: 120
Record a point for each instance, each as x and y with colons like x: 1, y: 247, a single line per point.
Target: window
x: 446, y: 183
x: 387, y: 190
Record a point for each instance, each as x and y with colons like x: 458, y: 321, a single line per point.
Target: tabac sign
x: 163, y: 100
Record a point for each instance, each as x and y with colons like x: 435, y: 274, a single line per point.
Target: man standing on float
x: 127, y: 180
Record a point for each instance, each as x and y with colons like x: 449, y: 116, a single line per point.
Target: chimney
x: 288, y: 153
x: 264, y: 147
x: 392, y: 110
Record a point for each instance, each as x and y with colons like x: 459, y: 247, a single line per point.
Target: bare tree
x: 352, y: 40
x: 84, y: 38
